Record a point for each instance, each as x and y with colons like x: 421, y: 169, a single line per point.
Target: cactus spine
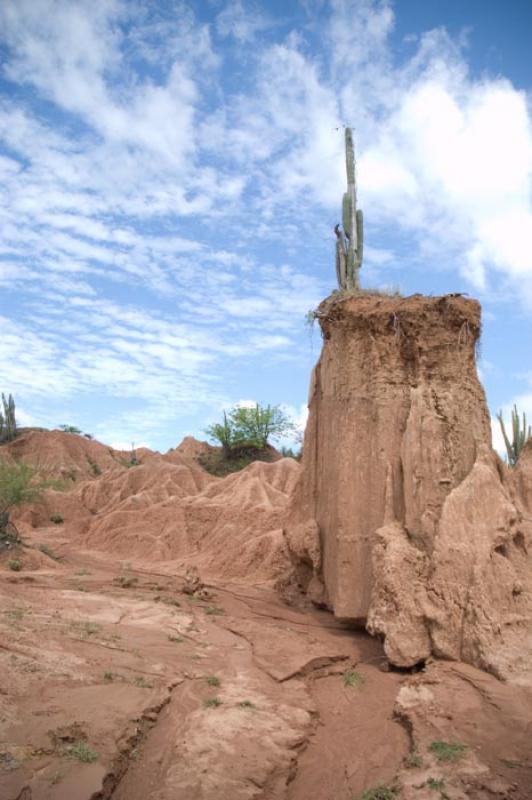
x: 8, y: 425
x: 520, y: 436
x: 350, y: 241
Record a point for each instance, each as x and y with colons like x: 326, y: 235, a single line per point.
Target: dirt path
x: 114, y: 683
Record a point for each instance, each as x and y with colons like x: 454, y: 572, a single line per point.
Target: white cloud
x: 241, y: 23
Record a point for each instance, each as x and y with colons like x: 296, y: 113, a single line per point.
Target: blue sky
x: 172, y: 172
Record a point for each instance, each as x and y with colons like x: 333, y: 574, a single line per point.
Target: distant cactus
x: 520, y: 436
x: 350, y: 240
x: 8, y: 425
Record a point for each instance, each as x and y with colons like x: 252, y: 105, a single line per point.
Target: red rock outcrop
x: 422, y: 528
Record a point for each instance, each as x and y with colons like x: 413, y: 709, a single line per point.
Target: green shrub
x: 47, y: 551
x: 380, y: 793
x: 212, y: 702
x: 69, y: 429
x: 57, y: 519
x: 82, y: 752
x: 353, y: 678
x: 19, y: 484
x: 94, y: 468
x: 447, y: 751
x: 15, y: 565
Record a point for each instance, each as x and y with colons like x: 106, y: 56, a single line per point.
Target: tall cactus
x: 520, y: 436
x: 8, y: 425
x: 350, y: 241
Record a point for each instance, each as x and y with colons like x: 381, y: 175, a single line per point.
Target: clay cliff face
x: 422, y: 529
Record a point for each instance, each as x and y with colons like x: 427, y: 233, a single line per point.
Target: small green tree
x: 520, y: 436
x: 225, y: 434
x: 258, y: 424
x: 69, y: 429
x: 19, y: 484
x: 244, y: 427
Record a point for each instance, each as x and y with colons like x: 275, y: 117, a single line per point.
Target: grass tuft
x: 353, y: 679
x: 246, y: 704
x: 212, y: 702
x: 82, y: 752
x: 447, y: 751
x: 380, y: 793
x: 214, y: 611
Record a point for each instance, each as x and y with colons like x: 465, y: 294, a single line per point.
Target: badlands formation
x: 354, y: 626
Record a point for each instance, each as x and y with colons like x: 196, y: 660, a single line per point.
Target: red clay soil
x: 144, y: 654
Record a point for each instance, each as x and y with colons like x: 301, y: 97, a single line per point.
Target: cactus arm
x: 507, y: 443
x: 360, y: 236
x: 341, y: 263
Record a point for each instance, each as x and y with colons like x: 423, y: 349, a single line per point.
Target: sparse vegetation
x: 214, y: 611
x: 108, y: 676
x: 380, y: 793
x: 212, y: 702
x: 126, y: 581
x: 521, y: 434
x: 413, y: 760
x: 47, y: 551
x: 176, y: 639
x: 57, y: 519
x: 432, y: 783
x: 82, y: 752
x: 86, y: 629
x: 246, y: 704
x: 19, y: 484
x: 447, y: 751
x: 70, y: 429
x: 353, y: 679
x: 94, y: 468
x: 14, y: 564
x: 212, y: 680
x: 142, y: 683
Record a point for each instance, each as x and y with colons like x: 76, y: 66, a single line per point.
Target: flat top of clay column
x: 382, y: 311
